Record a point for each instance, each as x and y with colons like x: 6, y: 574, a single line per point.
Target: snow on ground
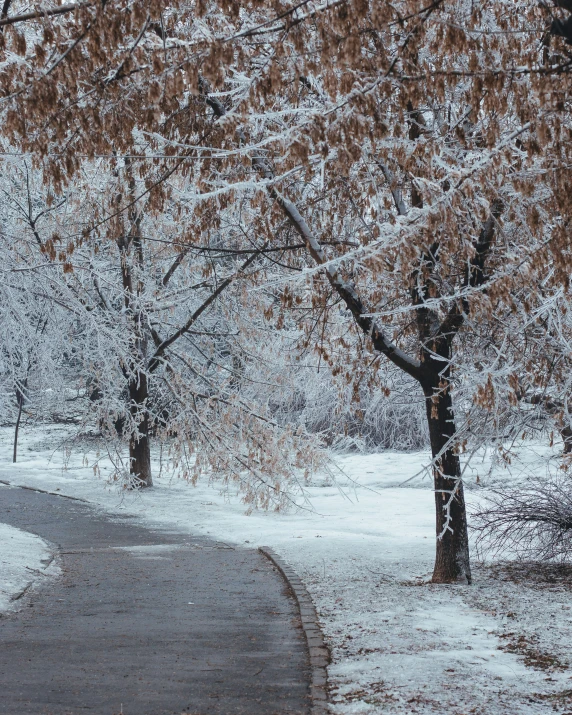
x: 365, y: 550
x: 25, y: 560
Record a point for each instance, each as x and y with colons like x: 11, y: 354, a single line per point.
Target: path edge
x: 317, y: 648
x: 43, y: 491
x: 35, y: 584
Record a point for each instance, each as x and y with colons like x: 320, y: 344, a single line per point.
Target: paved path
x: 147, y: 622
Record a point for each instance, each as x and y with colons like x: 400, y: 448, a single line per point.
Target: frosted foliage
x: 389, y: 418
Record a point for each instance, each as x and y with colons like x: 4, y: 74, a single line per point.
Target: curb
x: 317, y: 649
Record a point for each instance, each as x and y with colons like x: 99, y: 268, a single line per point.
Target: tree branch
x: 347, y: 292
x: 395, y: 190
x: 5, y: 8
x: 475, y: 276
x: 176, y: 263
x: 160, y: 351
x: 61, y: 10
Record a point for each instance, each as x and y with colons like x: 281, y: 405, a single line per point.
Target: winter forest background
x: 258, y: 234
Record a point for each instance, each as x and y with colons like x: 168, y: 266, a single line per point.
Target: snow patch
x: 25, y: 560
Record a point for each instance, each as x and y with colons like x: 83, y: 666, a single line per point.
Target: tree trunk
x: 20, y: 406
x: 140, y: 458
x: 566, y: 433
x: 139, y: 445
x: 452, y: 556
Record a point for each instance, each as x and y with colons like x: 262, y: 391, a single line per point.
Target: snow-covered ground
x: 25, y: 560
x: 365, y: 551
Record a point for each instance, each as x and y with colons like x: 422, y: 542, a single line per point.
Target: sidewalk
x: 147, y: 622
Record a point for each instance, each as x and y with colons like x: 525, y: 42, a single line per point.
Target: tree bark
x: 452, y: 556
x: 20, y: 399
x: 566, y: 433
x: 17, y: 429
x: 138, y: 383
x: 139, y: 444
x: 140, y: 458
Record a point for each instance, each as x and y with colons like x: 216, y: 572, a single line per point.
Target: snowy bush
x: 533, y: 521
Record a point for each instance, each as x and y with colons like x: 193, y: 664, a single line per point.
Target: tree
x: 324, y: 116
x: 164, y: 328
x: 467, y: 155
x: 442, y: 262
x: 35, y: 346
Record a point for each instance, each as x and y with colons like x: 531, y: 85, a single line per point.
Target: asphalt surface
x: 146, y: 622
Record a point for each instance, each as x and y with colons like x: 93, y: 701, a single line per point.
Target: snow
x: 25, y: 560
x: 364, y: 549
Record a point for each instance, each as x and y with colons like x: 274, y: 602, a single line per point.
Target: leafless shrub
x: 533, y: 521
